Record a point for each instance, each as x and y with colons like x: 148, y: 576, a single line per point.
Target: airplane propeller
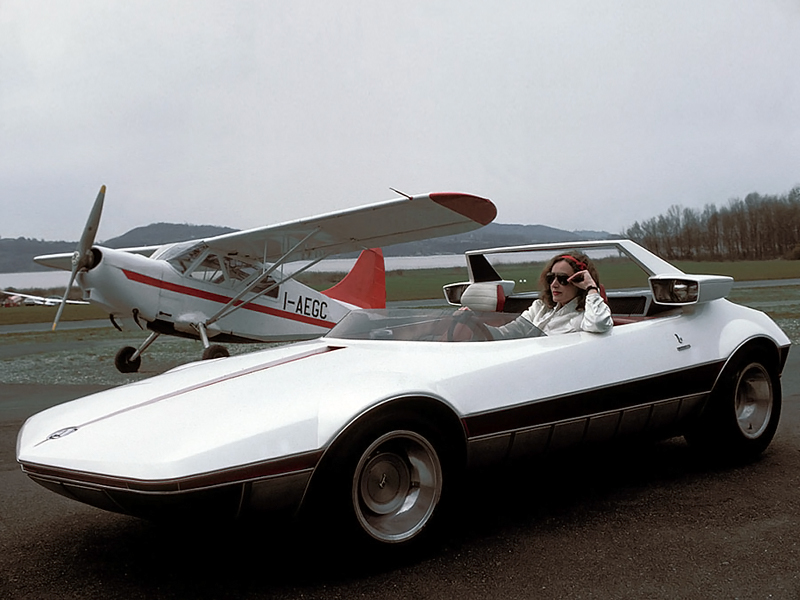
x: 82, y: 257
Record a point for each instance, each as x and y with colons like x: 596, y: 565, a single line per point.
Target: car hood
x: 234, y: 411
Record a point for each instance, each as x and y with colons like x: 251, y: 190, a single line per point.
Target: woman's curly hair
x: 579, y: 262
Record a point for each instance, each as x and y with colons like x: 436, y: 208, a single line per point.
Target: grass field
x: 19, y: 315
x: 425, y: 284
x: 421, y: 284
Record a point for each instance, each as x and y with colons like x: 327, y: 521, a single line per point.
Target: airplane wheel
x: 123, y: 360
x: 215, y: 351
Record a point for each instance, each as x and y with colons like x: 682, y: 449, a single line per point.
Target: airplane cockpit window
x: 242, y: 271
x: 180, y: 255
x: 195, y: 260
x: 209, y: 270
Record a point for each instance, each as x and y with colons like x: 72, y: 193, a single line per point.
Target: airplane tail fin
x: 365, y: 284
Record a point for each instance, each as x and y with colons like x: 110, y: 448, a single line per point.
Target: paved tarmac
x: 638, y: 522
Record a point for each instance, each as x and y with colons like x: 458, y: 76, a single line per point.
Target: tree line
x: 756, y: 228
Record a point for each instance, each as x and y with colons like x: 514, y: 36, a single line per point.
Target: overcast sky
x: 582, y: 114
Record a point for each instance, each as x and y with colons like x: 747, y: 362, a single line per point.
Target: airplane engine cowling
x: 97, y: 257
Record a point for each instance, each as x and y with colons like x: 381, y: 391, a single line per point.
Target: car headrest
x: 488, y: 296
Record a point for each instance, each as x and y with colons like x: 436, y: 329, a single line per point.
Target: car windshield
x: 423, y: 325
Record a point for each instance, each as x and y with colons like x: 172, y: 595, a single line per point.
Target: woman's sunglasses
x: 562, y: 279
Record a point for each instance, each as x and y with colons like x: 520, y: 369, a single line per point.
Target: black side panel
x: 697, y: 380
x: 516, y: 304
x: 627, y: 305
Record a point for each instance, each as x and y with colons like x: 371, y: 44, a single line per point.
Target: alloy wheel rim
x: 753, y: 402
x: 397, y: 485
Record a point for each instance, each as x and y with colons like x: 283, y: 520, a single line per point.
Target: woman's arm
x: 596, y: 314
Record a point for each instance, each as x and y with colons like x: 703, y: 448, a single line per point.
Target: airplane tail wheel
x: 215, y: 351
x: 123, y: 360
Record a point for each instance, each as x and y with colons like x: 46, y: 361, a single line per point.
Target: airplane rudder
x: 365, y: 285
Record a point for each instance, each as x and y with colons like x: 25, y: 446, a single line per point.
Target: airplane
x: 12, y: 299
x: 15, y: 298
x: 236, y: 287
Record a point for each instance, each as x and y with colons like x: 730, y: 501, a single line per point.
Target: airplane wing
x: 406, y: 219
x: 371, y: 226
x: 41, y: 299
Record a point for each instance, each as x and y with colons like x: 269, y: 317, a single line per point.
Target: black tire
x: 743, y: 411
x: 215, y: 351
x: 123, y: 361
x: 382, y: 485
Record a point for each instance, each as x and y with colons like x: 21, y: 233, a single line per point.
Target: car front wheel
x: 382, y: 483
x: 396, y: 486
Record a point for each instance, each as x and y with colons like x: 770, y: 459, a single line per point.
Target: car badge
x: 62, y: 433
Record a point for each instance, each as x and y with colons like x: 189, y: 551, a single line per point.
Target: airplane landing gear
x: 211, y: 350
x: 215, y: 351
x: 124, y: 362
x: 129, y: 359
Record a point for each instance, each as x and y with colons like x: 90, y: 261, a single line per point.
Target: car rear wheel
x: 743, y: 411
x: 753, y: 401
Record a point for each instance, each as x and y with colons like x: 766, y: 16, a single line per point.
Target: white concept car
x: 371, y: 424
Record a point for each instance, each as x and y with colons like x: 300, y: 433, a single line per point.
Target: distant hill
x: 16, y: 255
x: 492, y: 236
x: 164, y: 233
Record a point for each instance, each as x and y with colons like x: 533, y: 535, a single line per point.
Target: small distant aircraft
x: 16, y: 298
x: 12, y: 299
x: 236, y: 287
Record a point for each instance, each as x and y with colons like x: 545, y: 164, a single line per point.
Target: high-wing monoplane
x: 239, y: 287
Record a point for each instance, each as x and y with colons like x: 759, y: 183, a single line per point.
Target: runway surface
x: 641, y: 522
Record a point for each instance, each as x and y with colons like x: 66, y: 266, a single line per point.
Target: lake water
x: 53, y: 279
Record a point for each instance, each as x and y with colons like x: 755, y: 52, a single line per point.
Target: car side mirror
x: 454, y: 291
x: 669, y: 290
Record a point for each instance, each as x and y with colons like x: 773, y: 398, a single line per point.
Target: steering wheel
x: 470, y: 320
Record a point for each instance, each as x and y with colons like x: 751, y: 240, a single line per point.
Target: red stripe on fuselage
x: 212, y: 297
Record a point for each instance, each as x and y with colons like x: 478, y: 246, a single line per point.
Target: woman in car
x: 569, y: 301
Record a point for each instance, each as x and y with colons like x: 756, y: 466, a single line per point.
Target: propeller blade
x: 90, y: 231
x: 64, y: 299
x: 82, y: 258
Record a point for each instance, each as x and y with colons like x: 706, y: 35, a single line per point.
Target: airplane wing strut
x: 235, y: 303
